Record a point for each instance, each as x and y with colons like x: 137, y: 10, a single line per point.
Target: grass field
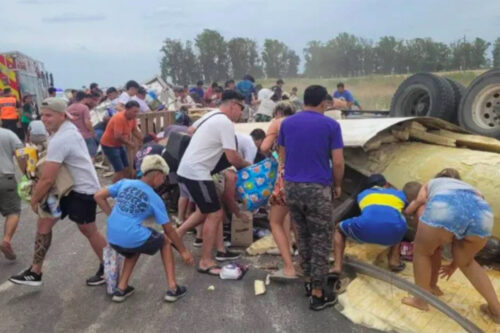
x: 373, y: 92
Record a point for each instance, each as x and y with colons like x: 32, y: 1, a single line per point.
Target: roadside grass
x: 374, y: 92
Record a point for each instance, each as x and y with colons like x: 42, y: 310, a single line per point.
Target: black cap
x: 231, y: 94
x: 376, y: 179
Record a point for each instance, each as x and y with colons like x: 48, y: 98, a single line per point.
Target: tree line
x: 212, y: 58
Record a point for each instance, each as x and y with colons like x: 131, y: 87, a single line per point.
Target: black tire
x: 479, y: 110
x: 459, y: 91
x: 424, y: 94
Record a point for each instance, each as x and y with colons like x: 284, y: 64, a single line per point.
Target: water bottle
x: 53, y: 206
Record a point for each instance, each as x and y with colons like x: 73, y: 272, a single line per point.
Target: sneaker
x: 320, y: 303
x: 98, y: 278
x: 27, y: 278
x: 308, y: 288
x: 198, y: 242
x: 174, y: 295
x: 225, y: 256
x: 7, y: 251
x: 120, y: 295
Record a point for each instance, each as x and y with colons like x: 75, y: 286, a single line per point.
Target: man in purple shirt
x: 308, y: 142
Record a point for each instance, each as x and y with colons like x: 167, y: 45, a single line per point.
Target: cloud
x: 73, y: 18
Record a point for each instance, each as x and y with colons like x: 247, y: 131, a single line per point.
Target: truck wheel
x: 480, y: 107
x: 459, y: 91
x: 424, y: 94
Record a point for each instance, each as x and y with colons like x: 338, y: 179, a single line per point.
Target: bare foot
x: 416, y: 303
x: 436, y: 291
x: 289, y: 272
x: 487, y: 311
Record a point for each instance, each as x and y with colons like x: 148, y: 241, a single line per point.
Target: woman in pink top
x: 81, y: 119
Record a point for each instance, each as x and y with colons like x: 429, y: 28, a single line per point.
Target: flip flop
x: 279, y: 275
x: 209, y: 270
x: 486, y: 310
x: 398, y: 268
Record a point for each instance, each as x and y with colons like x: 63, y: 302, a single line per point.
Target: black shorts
x: 79, y: 207
x: 151, y: 246
x: 202, y: 193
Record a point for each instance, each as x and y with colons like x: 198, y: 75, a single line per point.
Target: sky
x: 112, y: 41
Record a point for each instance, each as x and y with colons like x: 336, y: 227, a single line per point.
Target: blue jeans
x: 117, y: 156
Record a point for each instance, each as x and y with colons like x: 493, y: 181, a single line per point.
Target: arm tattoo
x: 42, y: 244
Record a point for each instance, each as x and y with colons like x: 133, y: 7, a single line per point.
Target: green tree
x: 279, y: 60
x: 496, y: 53
x: 213, y: 59
x: 244, y: 57
x: 386, y: 53
x: 179, y: 63
x: 479, y: 48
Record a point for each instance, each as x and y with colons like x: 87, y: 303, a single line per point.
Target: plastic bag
x: 112, y: 264
x: 24, y: 188
x: 255, y: 183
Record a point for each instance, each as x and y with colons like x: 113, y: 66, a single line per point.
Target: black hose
x: 393, y: 279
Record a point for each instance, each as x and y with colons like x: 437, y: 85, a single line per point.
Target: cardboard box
x: 242, y: 232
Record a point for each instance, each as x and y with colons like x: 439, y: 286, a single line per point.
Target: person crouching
x: 381, y: 221
x: 136, y: 200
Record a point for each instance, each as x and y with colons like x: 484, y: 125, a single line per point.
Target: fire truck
x: 24, y: 75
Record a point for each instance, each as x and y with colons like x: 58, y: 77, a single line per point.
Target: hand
x: 446, y: 271
x: 187, y: 258
x: 244, y: 217
x: 34, y: 207
x: 337, y: 191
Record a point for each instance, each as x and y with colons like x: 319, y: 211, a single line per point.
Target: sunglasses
x: 241, y: 105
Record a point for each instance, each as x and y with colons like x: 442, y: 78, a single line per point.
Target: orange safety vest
x: 8, y: 108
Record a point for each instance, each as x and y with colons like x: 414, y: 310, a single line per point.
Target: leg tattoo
x: 42, y: 244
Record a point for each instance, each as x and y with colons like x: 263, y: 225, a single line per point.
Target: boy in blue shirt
x: 381, y: 221
x: 136, y: 200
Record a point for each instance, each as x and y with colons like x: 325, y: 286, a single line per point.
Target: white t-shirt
x: 246, y: 147
x: 266, y: 106
x: 143, y: 106
x: 66, y: 146
x: 124, y: 98
x: 36, y: 127
x: 9, y: 143
x: 207, y: 146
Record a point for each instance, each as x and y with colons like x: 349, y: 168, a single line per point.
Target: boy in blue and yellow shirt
x: 381, y: 221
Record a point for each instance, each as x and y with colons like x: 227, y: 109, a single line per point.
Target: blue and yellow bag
x: 255, y: 183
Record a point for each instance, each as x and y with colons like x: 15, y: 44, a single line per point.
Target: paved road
x: 65, y: 304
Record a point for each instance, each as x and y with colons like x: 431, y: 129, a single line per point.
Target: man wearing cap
x: 66, y: 147
x: 136, y: 200
x: 213, y: 136
x: 10, y: 203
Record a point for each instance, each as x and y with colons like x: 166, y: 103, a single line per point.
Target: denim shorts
x: 117, y: 156
x: 91, y: 146
x: 461, y: 212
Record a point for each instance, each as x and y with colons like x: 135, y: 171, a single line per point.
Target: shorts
x: 372, y: 229
x: 278, y: 196
x: 150, y: 247
x: 117, y: 156
x: 79, y: 207
x: 461, y: 212
x: 202, y: 193
x: 10, y: 204
x: 91, y: 146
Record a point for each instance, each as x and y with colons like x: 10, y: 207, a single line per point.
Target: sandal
x: 486, y: 310
x: 279, y: 275
x: 209, y: 270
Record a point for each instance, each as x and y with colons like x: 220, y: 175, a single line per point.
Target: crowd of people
x: 309, y: 149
